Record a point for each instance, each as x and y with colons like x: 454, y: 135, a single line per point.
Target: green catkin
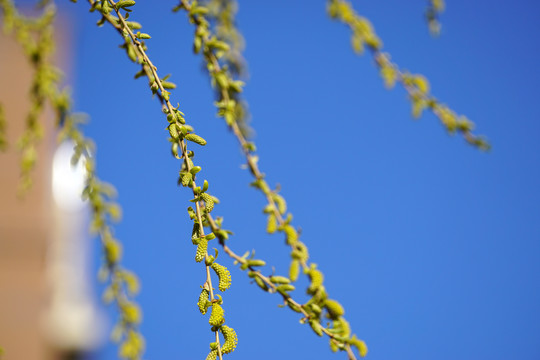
x: 271, y: 225
x: 261, y: 283
x: 294, y: 270
x: 230, y: 339
x: 279, y: 279
x: 316, y: 327
x: 290, y: 234
x: 212, y: 355
x: 360, y: 345
x: 203, y: 300
x: 185, y: 178
x: 333, y: 346
x: 224, y: 276
x: 113, y: 251
x: 131, y: 313
x: 283, y: 289
x: 209, y: 201
x: 342, y: 326
x: 202, y: 248
x: 281, y: 204
x: 316, y: 278
x: 335, y: 310
x: 132, y: 347
x: 217, y: 316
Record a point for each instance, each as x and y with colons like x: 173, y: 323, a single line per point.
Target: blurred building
x: 46, y: 303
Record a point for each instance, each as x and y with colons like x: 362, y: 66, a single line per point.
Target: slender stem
x: 148, y: 66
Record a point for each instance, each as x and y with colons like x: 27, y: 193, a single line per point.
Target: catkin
x: 203, y: 300
x: 316, y: 278
x: 294, y: 270
x: 335, y: 310
x: 212, y: 355
x: 185, y: 178
x: 271, y: 225
x: 290, y: 234
x: 230, y: 339
x: 224, y: 276
x: 202, y: 247
x: 209, y: 202
x: 216, y: 317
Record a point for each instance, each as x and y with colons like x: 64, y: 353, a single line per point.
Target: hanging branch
x: 222, y: 17
x: 417, y: 86
x: 319, y: 306
x: 35, y: 35
x: 123, y: 284
x: 222, y: 13
x: 179, y: 133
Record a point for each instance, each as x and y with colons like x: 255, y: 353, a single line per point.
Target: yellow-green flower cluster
x: 230, y: 339
x: 132, y: 346
x: 217, y: 315
x: 224, y: 276
x: 203, y: 302
x: 212, y: 355
x: 202, y: 248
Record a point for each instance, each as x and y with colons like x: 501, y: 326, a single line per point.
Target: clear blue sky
x: 432, y: 246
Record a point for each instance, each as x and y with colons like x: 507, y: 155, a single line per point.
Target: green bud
x: 261, y: 283
x: 256, y: 263
x: 143, y: 36
x: 196, y: 139
x: 316, y: 326
x: 283, y: 289
x: 294, y: 270
x: 134, y: 25
x: 195, y: 169
x: 334, y: 308
x: 124, y: 3
x: 280, y: 279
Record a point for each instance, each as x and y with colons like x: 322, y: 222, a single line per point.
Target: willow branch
x: 175, y: 118
x: 417, y: 86
x: 226, y: 87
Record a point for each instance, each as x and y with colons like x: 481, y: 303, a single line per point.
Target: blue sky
x: 432, y: 247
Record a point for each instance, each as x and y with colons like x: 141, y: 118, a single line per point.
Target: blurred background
x: 432, y: 246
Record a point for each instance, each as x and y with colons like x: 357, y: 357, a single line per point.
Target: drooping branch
x: 35, y: 35
x: 229, y: 89
x: 180, y: 134
x: 417, y: 86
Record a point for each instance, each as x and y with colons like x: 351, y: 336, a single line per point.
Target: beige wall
x: 25, y: 224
